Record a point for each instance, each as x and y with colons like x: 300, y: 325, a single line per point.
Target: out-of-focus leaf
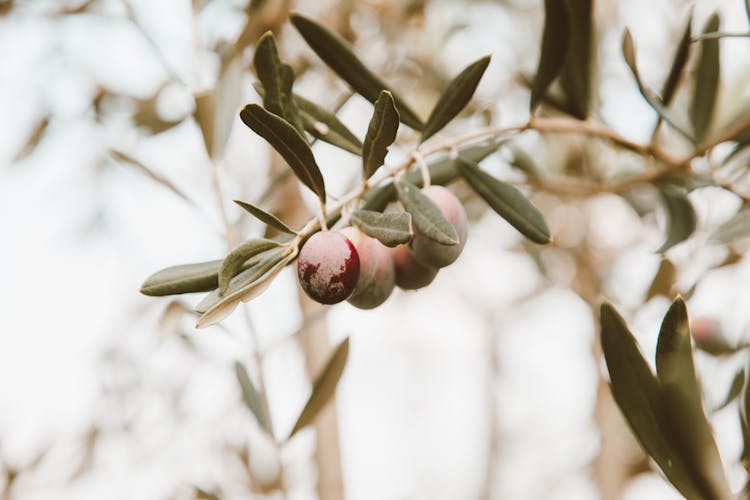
x: 265, y: 217
x: 507, y: 201
x: 160, y: 179
x: 745, y: 419
x: 455, y: 97
x: 250, y: 396
x: 736, y: 227
x: 340, y: 58
x: 681, y: 218
x: 204, y: 115
x: 426, y: 216
x: 33, y: 141
x: 185, y: 278
x: 555, y: 41
x: 238, y: 256
x: 289, y: 143
x: 146, y: 115
x: 639, y: 397
x: 664, y: 280
x: 669, y: 88
x: 380, y: 133
x: 390, y: 229
x: 575, y: 77
x: 747, y: 9
x: 524, y: 162
x: 688, y: 428
x: 735, y: 389
x: 324, y: 387
x: 706, y: 82
x: 244, y: 287
x: 628, y: 52
x: 325, y: 126
x: 442, y: 171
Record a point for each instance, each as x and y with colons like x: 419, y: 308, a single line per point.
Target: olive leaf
x: 736, y: 227
x: 639, y: 396
x: 325, y: 126
x: 426, y: 216
x: 250, y: 396
x: 342, y: 60
x: 391, y: 229
x: 324, y: 387
x: 555, y: 41
x: 735, y: 389
x: 380, y: 133
x: 669, y: 88
x: 322, y: 124
x: 268, y: 68
x: 185, y: 278
x: 681, y: 218
x: 507, y: 201
x: 238, y: 256
x: 244, y: 287
x: 706, y: 81
x: 628, y: 52
x: 575, y: 77
x: 455, y: 97
x: 289, y: 143
x: 265, y: 217
x: 687, y: 426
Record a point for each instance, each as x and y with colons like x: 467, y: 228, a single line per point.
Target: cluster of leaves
x: 290, y: 124
x: 665, y: 411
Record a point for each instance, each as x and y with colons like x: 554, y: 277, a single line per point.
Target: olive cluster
x: 334, y: 266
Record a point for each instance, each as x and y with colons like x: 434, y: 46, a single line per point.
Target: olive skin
x: 431, y: 253
x: 372, y: 293
x: 328, y: 267
x: 410, y: 273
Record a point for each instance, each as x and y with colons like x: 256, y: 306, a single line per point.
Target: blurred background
x: 487, y: 384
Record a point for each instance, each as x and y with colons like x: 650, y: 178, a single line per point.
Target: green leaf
x: 238, y: 256
x: 390, y: 229
x: 426, y: 216
x: 327, y: 127
x: 688, y: 428
x: 681, y: 218
x: 380, y: 133
x: 340, y: 58
x: 265, y: 217
x: 669, y: 88
x: 663, y: 281
x: 524, y: 162
x: 706, y: 81
x: 575, y: 77
x: 442, y: 171
x: 628, y: 52
x: 289, y: 143
x: 250, y: 396
x: 322, y: 124
x: 455, y: 97
x: 268, y: 68
x: 185, y: 278
x: 324, y: 387
x: 639, y: 397
x: 736, y: 227
x: 555, y: 41
x: 244, y: 287
x: 507, y: 201
x: 735, y: 389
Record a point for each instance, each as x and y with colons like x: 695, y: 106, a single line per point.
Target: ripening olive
x: 430, y: 252
x: 328, y: 267
x: 369, y: 294
x: 410, y: 273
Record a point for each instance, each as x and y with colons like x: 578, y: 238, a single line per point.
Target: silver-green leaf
x: 507, y: 201
x: 681, y: 218
x: 336, y: 53
x: 455, y: 97
x: 289, y: 143
x: 555, y: 41
x: 265, y: 217
x: 324, y: 387
x: 250, y: 396
x: 426, y: 216
x: 380, y: 133
x: 391, y: 229
x: 185, y: 278
x: 707, y: 79
x: 238, y: 256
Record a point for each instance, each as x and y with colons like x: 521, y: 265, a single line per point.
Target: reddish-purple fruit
x: 430, y: 252
x: 328, y: 267
x: 410, y: 273
x: 372, y: 291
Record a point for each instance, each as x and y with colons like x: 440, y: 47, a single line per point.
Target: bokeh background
x: 483, y: 385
